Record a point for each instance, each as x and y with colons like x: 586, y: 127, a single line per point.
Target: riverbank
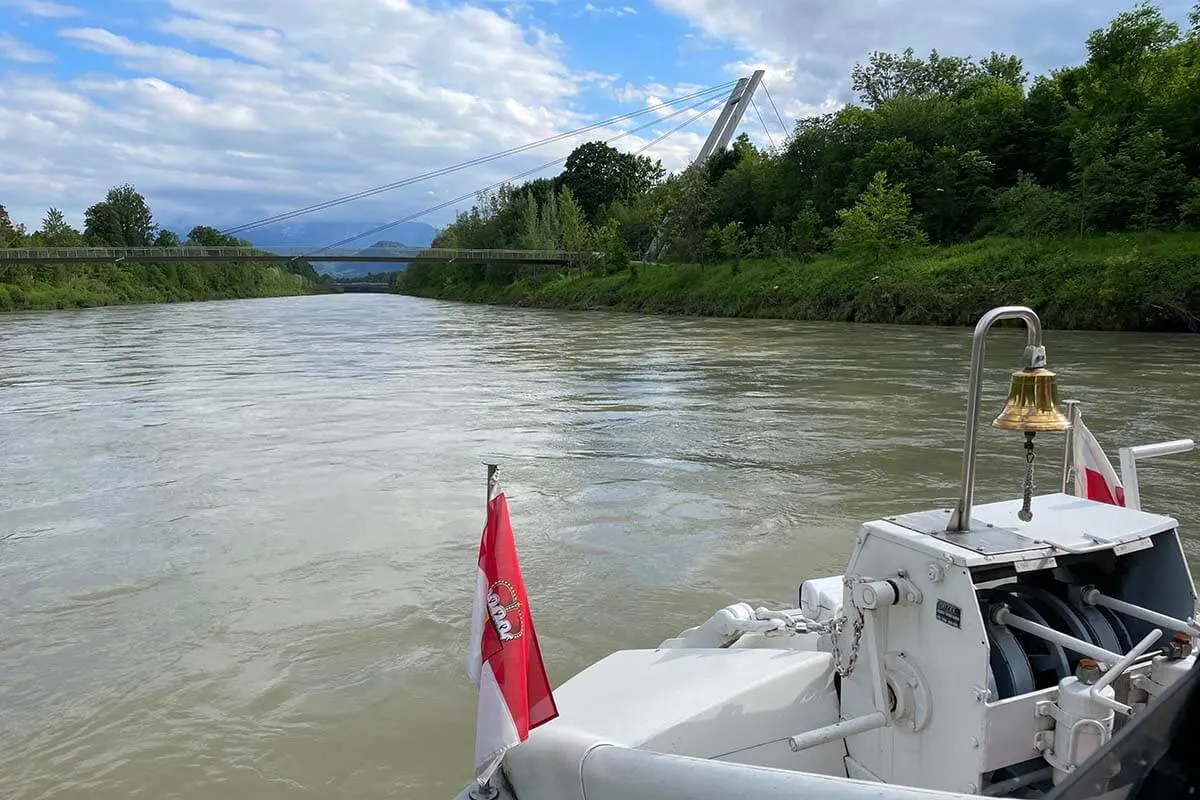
x: 1142, y: 282
x: 89, y: 285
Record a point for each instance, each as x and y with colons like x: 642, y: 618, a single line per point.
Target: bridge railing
x: 267, y: 253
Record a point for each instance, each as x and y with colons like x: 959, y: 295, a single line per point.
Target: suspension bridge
x: 733, y: 98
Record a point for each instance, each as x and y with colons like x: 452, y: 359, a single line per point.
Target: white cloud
x: 14, y: 49
x: 312, y: 100
x: 615, y: 11
x: 44, y: 8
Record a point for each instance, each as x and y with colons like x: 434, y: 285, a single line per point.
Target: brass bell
x: 1032, y: 404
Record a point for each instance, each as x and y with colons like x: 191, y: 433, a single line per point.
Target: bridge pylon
x: 718, y: 139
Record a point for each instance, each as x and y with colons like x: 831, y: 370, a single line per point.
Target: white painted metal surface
x: 821, y: 598
x: 614, y: 773
x: 723, y: 704
x: 1082, y: 725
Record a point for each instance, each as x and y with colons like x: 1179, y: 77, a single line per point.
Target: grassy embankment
x: 87, y: 285
x: 1144, y: 282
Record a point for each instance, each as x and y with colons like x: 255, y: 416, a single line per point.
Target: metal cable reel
x: 1047, y: 662
x: 1022, y: 662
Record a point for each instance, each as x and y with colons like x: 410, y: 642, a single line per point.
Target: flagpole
x: 486, y: 790
x: 1072, y: 411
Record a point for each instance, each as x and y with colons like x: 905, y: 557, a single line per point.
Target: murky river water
x: 240, y: 536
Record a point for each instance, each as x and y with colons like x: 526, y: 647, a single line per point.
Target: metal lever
x: 1004, y: 616
x: 1093, y: 597
x: 1115, y: 671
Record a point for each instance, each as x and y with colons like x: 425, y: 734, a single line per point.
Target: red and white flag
x: 1095, y: 477
x: 504, y: 661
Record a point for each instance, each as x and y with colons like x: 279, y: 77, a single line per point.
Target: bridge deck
x: 409, y: 255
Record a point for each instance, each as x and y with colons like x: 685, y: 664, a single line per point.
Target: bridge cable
x: 763, y: 122
x: 778, y: 116
x: 474, y: 162
x: 712, y: 106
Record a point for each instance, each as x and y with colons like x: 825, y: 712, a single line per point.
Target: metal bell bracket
x: 1032, y: 406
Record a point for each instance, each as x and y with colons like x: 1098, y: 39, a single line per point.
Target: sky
x: 223, y: 112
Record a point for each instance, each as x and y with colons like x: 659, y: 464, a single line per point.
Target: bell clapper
x: 1026, y: 514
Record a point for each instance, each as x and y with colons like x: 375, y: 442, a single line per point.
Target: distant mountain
x: 319, y: 234
x: 355, y: 269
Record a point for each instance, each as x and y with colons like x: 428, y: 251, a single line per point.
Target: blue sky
x: 224, y: 111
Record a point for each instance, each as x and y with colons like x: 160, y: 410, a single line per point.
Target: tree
x: 880, y: 222
x: 56, y: 232
x: 1028, y: 209
x: 956, y: 192
x: 888, y: 76
x: 992, y: 120
x: 166, y: 238
x: 8, y: 233
x: 1150, y: 182
x: 121, y: 219
x: 1189, y: 209
x: 806, y: 231
x: 549, y: 227
x: 570, y: 220
x: 599, y: 175
x: 1126, y: 64
x: 54, y: 225
x: 102, y: 226
x: 208, y: 236
x: 136, y: 220
x: 1043, y: 133
x: 1130, y: 38
x: 616, y: 252
x: 895, y: 157
x: 1007, y: 68
x: 531, y: 234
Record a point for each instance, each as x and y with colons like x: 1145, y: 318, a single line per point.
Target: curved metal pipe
x: 960, y: 519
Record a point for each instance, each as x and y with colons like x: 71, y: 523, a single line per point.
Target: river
x: 241, y: 535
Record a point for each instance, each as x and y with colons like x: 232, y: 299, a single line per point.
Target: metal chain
x: 1025, y: 514
x: 839, y: 625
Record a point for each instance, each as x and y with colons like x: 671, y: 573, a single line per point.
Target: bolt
x: 1087, y: 671
x: 910, y: 597
x: 974, y: 742
x: 1179, y: 647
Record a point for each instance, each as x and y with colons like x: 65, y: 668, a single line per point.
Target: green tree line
x: 936, y: 152
x: 124, y: 219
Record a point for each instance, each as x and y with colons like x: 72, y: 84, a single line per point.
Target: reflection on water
x: 241, y: 536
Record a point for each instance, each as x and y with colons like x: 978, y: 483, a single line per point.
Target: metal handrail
x: 51, y: 254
